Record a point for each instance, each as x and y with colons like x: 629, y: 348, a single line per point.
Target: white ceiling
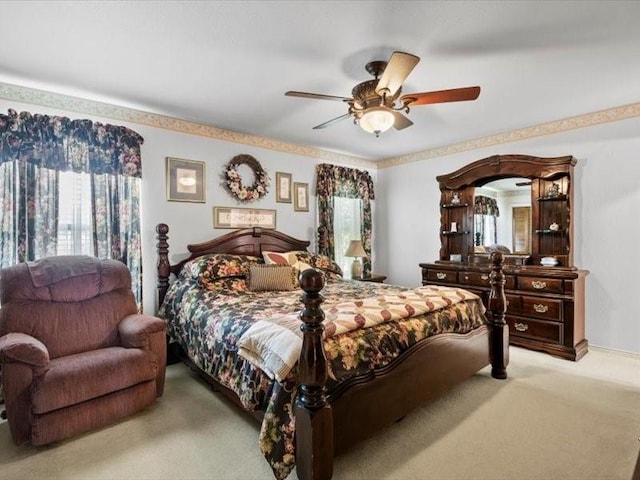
x: 228, y: 63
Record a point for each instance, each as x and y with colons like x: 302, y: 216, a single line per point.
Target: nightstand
x: 374, y: 277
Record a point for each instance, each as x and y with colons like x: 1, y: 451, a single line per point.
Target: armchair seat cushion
x: 84, y: 376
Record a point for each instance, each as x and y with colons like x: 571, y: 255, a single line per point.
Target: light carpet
x: 552, y: 419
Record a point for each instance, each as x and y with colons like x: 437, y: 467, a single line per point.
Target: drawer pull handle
x: 540, y: 308
x: 538, y: 285
x: 484, y: 277
x: 441, y: 276
x: 466, y: 277
x: 521, y: 327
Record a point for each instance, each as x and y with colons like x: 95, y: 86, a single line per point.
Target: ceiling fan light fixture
x: 376, y: 120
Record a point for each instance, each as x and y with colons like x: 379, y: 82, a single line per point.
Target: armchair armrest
x: 23, y: 348
x: 135, y: 330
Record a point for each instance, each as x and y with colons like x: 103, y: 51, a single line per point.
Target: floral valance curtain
x: 62, y: 144
x: 34, y: 149
x: 336, y: 181
x: 486, y: 206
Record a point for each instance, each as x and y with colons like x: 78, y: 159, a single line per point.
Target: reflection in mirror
x: 502, y: 216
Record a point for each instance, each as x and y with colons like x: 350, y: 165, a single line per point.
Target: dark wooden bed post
x: 164, y: 267
x: 313, y: 414
x: 498, y: 330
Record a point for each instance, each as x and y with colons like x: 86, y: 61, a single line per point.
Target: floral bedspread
x: 208, y: 325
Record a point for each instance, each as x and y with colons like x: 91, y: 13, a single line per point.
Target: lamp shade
x: 376, y: 120
x: 355, y: 249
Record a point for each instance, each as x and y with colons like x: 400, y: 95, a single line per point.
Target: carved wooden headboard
x: 248, y: 241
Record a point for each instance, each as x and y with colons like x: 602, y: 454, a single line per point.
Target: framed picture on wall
x: 283, y: 187
x: 185, y: 180
x: 301, y: 197
x: 231, y: 217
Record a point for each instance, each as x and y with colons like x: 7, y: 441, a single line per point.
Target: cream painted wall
x: 193, y: 222
x: 605, y: 215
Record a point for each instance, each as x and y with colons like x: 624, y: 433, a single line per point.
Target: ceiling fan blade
x: 397, y: 70
x: 317, y: 96
x: 328, y: 123
x: 401, y: 121
x: 441, y: 96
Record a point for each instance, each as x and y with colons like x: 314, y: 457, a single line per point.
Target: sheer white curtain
x: 74, y: 215
x: 485, y: 228
x: 347, y: 218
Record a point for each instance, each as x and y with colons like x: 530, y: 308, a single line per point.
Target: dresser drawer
x: 440, y: 276
x: 474, y: 278
x: 482, y: 279
x: 535, y: 329
x: 514, y: 304
x: 542, y: 285
x: 545, y: 308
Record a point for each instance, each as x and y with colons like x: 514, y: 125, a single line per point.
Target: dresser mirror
x: 502, y: 216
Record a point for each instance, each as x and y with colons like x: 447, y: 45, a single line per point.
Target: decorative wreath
x: 234, y: 182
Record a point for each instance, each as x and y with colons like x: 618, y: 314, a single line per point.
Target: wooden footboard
x: 371, y: 402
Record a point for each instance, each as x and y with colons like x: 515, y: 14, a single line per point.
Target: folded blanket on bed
x: 274, y: 344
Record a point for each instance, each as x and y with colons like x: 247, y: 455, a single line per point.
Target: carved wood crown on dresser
x: 545, y: 305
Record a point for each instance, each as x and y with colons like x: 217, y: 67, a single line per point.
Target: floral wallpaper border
x: 91, y: 107
x: 101, y: 109
x: 572, y: 123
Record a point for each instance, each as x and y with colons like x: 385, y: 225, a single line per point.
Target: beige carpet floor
x: 552, y: 419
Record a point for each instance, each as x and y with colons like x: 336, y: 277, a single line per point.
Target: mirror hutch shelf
x: 544, y: 290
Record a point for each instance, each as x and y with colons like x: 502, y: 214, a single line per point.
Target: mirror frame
x: 544, y: 172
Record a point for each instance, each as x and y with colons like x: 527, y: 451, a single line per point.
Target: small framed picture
x: 185, y: 180
x: 301, y: 197
x: 231, y: 217
x: 283, y: 187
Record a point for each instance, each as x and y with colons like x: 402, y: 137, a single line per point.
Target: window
x: 74, y: 215
x: 485, y: 228
x: 345, y: 197
x: 346, y: 223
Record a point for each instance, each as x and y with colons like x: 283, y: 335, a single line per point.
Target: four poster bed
x: 364, y: 355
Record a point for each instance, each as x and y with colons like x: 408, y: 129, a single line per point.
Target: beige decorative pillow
x: 275, y: 277
x: 280, y: 258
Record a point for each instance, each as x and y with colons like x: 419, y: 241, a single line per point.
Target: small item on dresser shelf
x: 554, y: 190
x: 549, y: 261
x: 455, y: 257
x: 455, y: 199
x: 454, y: 227
x: 554, y: 227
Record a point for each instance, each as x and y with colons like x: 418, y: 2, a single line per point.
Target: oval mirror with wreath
x: 240, y: 191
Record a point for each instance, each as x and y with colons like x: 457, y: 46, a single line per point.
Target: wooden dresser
x: 545, y: 306
x: 545, y: 303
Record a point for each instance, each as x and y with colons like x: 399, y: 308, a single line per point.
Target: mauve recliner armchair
x: 75, y: 354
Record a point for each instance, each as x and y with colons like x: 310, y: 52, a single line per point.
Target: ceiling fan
x: 376, y: 105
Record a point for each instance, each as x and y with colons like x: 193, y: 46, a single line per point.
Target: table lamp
x: 356, y: 250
